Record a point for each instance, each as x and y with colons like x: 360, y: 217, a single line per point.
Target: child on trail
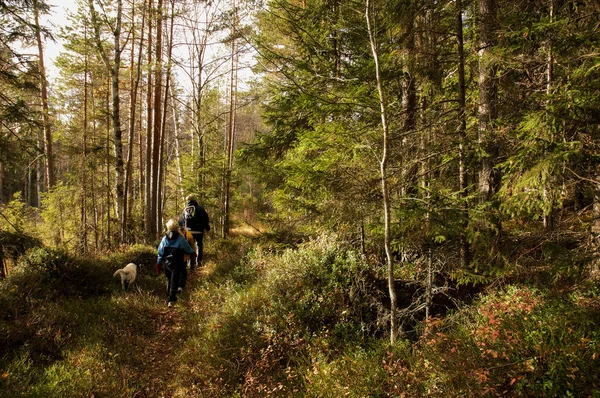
x: 195, y: 219
x: 171, y: 250
x: 186, y: 257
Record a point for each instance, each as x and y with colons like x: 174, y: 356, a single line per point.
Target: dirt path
x: 159, y: 359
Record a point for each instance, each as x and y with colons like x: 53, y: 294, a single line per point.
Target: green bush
x: 142, y: 255
x: 309, y: 302
x: 516, y: 342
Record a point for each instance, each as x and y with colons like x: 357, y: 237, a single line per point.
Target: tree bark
x: 116, y: 104
x: 47, y: 134
x: 230, y: 131
x: 462, y: 134
x: 162, y: 168
x: 150, y: 224
x: 177, y: 142
x: 84, y: 246
x: 157, y: 123
x: 487, y: 96
x: 134, y: 82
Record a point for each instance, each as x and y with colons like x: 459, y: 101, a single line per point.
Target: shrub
x: 305, y: 303
x: 517, y: 342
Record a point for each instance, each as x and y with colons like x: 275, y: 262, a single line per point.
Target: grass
x: 263, y: 320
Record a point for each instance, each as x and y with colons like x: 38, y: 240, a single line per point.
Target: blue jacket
x: 173, y: 244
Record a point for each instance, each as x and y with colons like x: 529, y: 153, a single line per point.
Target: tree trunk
x: 157, y: 123
x: 462, y: 134
x: 134, y: 82
x: 116, y: 104
x: 487, y: 96
x: 116, y: 119
x: 162, y: 167
x: 47, y: 134
x: 548, y: 208
x: 108, y: 201
x: 84, y: 246
x: 230, y: 132
x: 177, y: 143
x: 384, y: 186
x: 150, y: 224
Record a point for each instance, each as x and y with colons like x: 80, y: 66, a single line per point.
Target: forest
x: 404, y: 197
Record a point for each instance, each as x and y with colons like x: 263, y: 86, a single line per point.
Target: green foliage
x: 63, y: 274
x: 517, y: 342
x: 60, y: 211
x: 65, y: 324
x: 301, y: 304
x: 18, y: 216
x: 141, y: 255
x: 13, y: 245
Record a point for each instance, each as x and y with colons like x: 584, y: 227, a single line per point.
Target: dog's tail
x: 117, y: 272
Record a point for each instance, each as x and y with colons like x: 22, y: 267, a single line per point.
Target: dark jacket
x: 199, y: 222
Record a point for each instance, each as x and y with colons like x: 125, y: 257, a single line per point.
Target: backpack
x: 173, y: 255
x: 188, y: 213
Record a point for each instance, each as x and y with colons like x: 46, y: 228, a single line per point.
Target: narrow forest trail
x: 159, y: 358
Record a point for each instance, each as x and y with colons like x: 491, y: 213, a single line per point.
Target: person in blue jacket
x: 171, y: 250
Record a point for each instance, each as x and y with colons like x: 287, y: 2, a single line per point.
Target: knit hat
x: 172, y: 225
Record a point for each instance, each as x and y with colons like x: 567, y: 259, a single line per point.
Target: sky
x: 56, y: 19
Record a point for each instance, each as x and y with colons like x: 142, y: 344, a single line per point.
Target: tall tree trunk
x: 177, y: 142
x: 487, y: 96
x: 39, y: 173
x: 462, y: 134
x: 94, y: 166
x: 134, y: 81
x: 162, y: 167
x: 116, y: 104
x: 547, y: 196
x: 230, y: 130
x: 198, y: 51
x: 49, y: 170
x: 108, y: 201
x: 157, y: 123
x: 150, y: 224
x: 384, y: 177
x: 116, y: 120
x: 84, y: 245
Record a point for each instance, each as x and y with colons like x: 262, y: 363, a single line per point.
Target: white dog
x: 128, y: 274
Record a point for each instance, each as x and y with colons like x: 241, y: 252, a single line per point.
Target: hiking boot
x: 179, y: 290
x: 170, y: 304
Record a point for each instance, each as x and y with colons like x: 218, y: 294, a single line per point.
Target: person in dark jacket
x: 196, y: 221
x: 171, y: 250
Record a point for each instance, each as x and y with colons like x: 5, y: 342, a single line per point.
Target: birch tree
x: 384, y: 175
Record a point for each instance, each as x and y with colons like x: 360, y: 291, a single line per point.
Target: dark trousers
x: 183, y: 276
x: 173, y: 274
x: 198, y: 237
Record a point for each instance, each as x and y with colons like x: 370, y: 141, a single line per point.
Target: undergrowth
x: 300, y: 321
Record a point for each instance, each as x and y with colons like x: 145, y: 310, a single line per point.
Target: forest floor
x: 159, y: 355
